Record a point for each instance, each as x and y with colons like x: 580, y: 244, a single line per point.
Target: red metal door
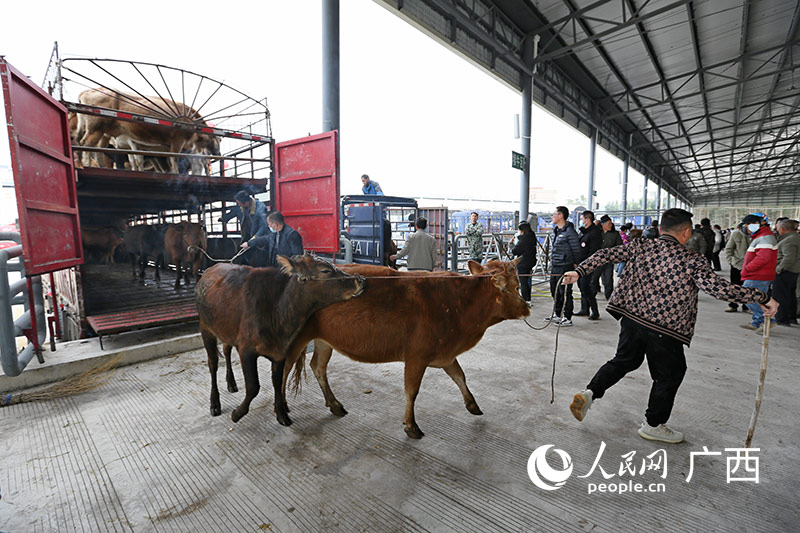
x: 44, y: 179
x: 307, y: 189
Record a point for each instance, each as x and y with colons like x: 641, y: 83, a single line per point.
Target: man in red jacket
x: 760, y: 261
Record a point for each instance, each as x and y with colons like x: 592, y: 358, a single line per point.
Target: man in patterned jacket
x: 656, y: 303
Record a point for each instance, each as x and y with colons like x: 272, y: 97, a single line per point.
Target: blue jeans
x: 763, y: 286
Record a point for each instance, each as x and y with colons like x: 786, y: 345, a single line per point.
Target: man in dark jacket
x: 708, y: 236
x: 652, y: 231
x: 656, y: 303
x: 564, y: 257
x: 591, y: 240
x: 526, y: 250
x: 611, y: 238
x: 282, y: 240
x: 252, y: 215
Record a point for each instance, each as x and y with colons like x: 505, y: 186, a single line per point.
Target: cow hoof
x: 338, y: 409
x: 284, y: 420
x: 414, y: 432
x: 232, y: 387
x: 215, y: 410
x: 236, y: 416
x: 473, y: 408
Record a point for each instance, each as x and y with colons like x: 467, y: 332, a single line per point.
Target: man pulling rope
x: 656, y: 303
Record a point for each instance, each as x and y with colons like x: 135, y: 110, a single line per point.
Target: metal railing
x: 28, y: 293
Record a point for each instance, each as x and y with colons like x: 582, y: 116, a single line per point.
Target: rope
x: 240, y: 252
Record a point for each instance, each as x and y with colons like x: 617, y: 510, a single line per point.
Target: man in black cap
x: 526, y: 250
x: 252, y: 215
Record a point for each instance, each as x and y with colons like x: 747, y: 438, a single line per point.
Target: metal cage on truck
x: 108, y: 192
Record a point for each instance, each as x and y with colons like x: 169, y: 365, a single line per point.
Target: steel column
x: 592, y: 153
x: 527, y: 103
x: 625, y: 165
x: 330, y: 65
x: 644, y: 199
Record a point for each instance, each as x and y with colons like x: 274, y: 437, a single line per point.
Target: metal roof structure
x: 701, y: 94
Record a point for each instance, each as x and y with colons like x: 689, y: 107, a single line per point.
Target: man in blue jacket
x: 369, y: 186
x: 564, y: 257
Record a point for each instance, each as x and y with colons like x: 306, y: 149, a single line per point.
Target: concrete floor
x: 142, y: 453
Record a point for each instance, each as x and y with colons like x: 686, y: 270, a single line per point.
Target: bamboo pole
x: 761, y: 377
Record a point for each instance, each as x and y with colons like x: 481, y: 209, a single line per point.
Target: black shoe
x: 594, y: 317
x: 581, y: 313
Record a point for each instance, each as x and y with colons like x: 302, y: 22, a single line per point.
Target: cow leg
x: 281, y: 411
x: 226, y: 350
x: 142, y: 265
x: 133, y: 263
x: 319, y: 365
x: 210, y: 342
x: 196, y: 268
x: 249, y: 361
x: 457, y: 374
x: 159, y: 266
x: 178, y: 272
x: 414, y: 371
x: 188, y: 269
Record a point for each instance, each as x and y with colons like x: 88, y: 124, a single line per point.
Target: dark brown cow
x: 259, y: 311
x: 145, y: 241
x: 103, y: 241
x: 422, y: 319
x: 182, y: 244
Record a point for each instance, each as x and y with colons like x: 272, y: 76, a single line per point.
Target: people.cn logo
x: 542, y: 474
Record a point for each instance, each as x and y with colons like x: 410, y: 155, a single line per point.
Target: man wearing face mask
x: 282, y: 240
x: 760, y: 261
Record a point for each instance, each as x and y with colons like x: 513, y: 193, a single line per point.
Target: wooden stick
x: 760, y: 391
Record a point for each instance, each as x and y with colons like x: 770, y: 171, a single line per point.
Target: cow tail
x: 299, y: 373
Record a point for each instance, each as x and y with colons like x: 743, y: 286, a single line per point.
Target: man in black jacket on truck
x: 564, y: 257
x: 591, y: 241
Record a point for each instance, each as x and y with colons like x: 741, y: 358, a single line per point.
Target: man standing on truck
x: 370, y: 186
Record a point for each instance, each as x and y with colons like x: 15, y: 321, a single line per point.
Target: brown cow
x: 260, y: 310
x: 145, y: 241
x: 99, y: 130
x: 422, y: 319
x: 182, y: 244
x: 103, y: 241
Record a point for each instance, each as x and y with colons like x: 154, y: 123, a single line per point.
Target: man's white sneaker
x: 553, y: 318
x: 580, y: 404
x: 564, y: 323
x: 660, y: 433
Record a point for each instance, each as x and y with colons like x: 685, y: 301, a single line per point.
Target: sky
x: 415, y: 116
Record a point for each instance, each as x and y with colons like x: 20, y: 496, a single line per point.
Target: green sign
x: 518, y: 160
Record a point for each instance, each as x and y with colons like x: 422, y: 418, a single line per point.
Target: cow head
x: 503, y: 275
x: 194, y: 237
x: 331, y: 281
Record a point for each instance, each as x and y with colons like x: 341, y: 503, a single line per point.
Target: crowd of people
x: 660, y: 270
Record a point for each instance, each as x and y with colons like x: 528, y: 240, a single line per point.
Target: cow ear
x: 287, y: 266
x: 500, y: 281
x: 474, y: 267
x: 516, y: 261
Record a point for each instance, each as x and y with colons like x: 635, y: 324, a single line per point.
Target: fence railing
x: 32, y: 324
